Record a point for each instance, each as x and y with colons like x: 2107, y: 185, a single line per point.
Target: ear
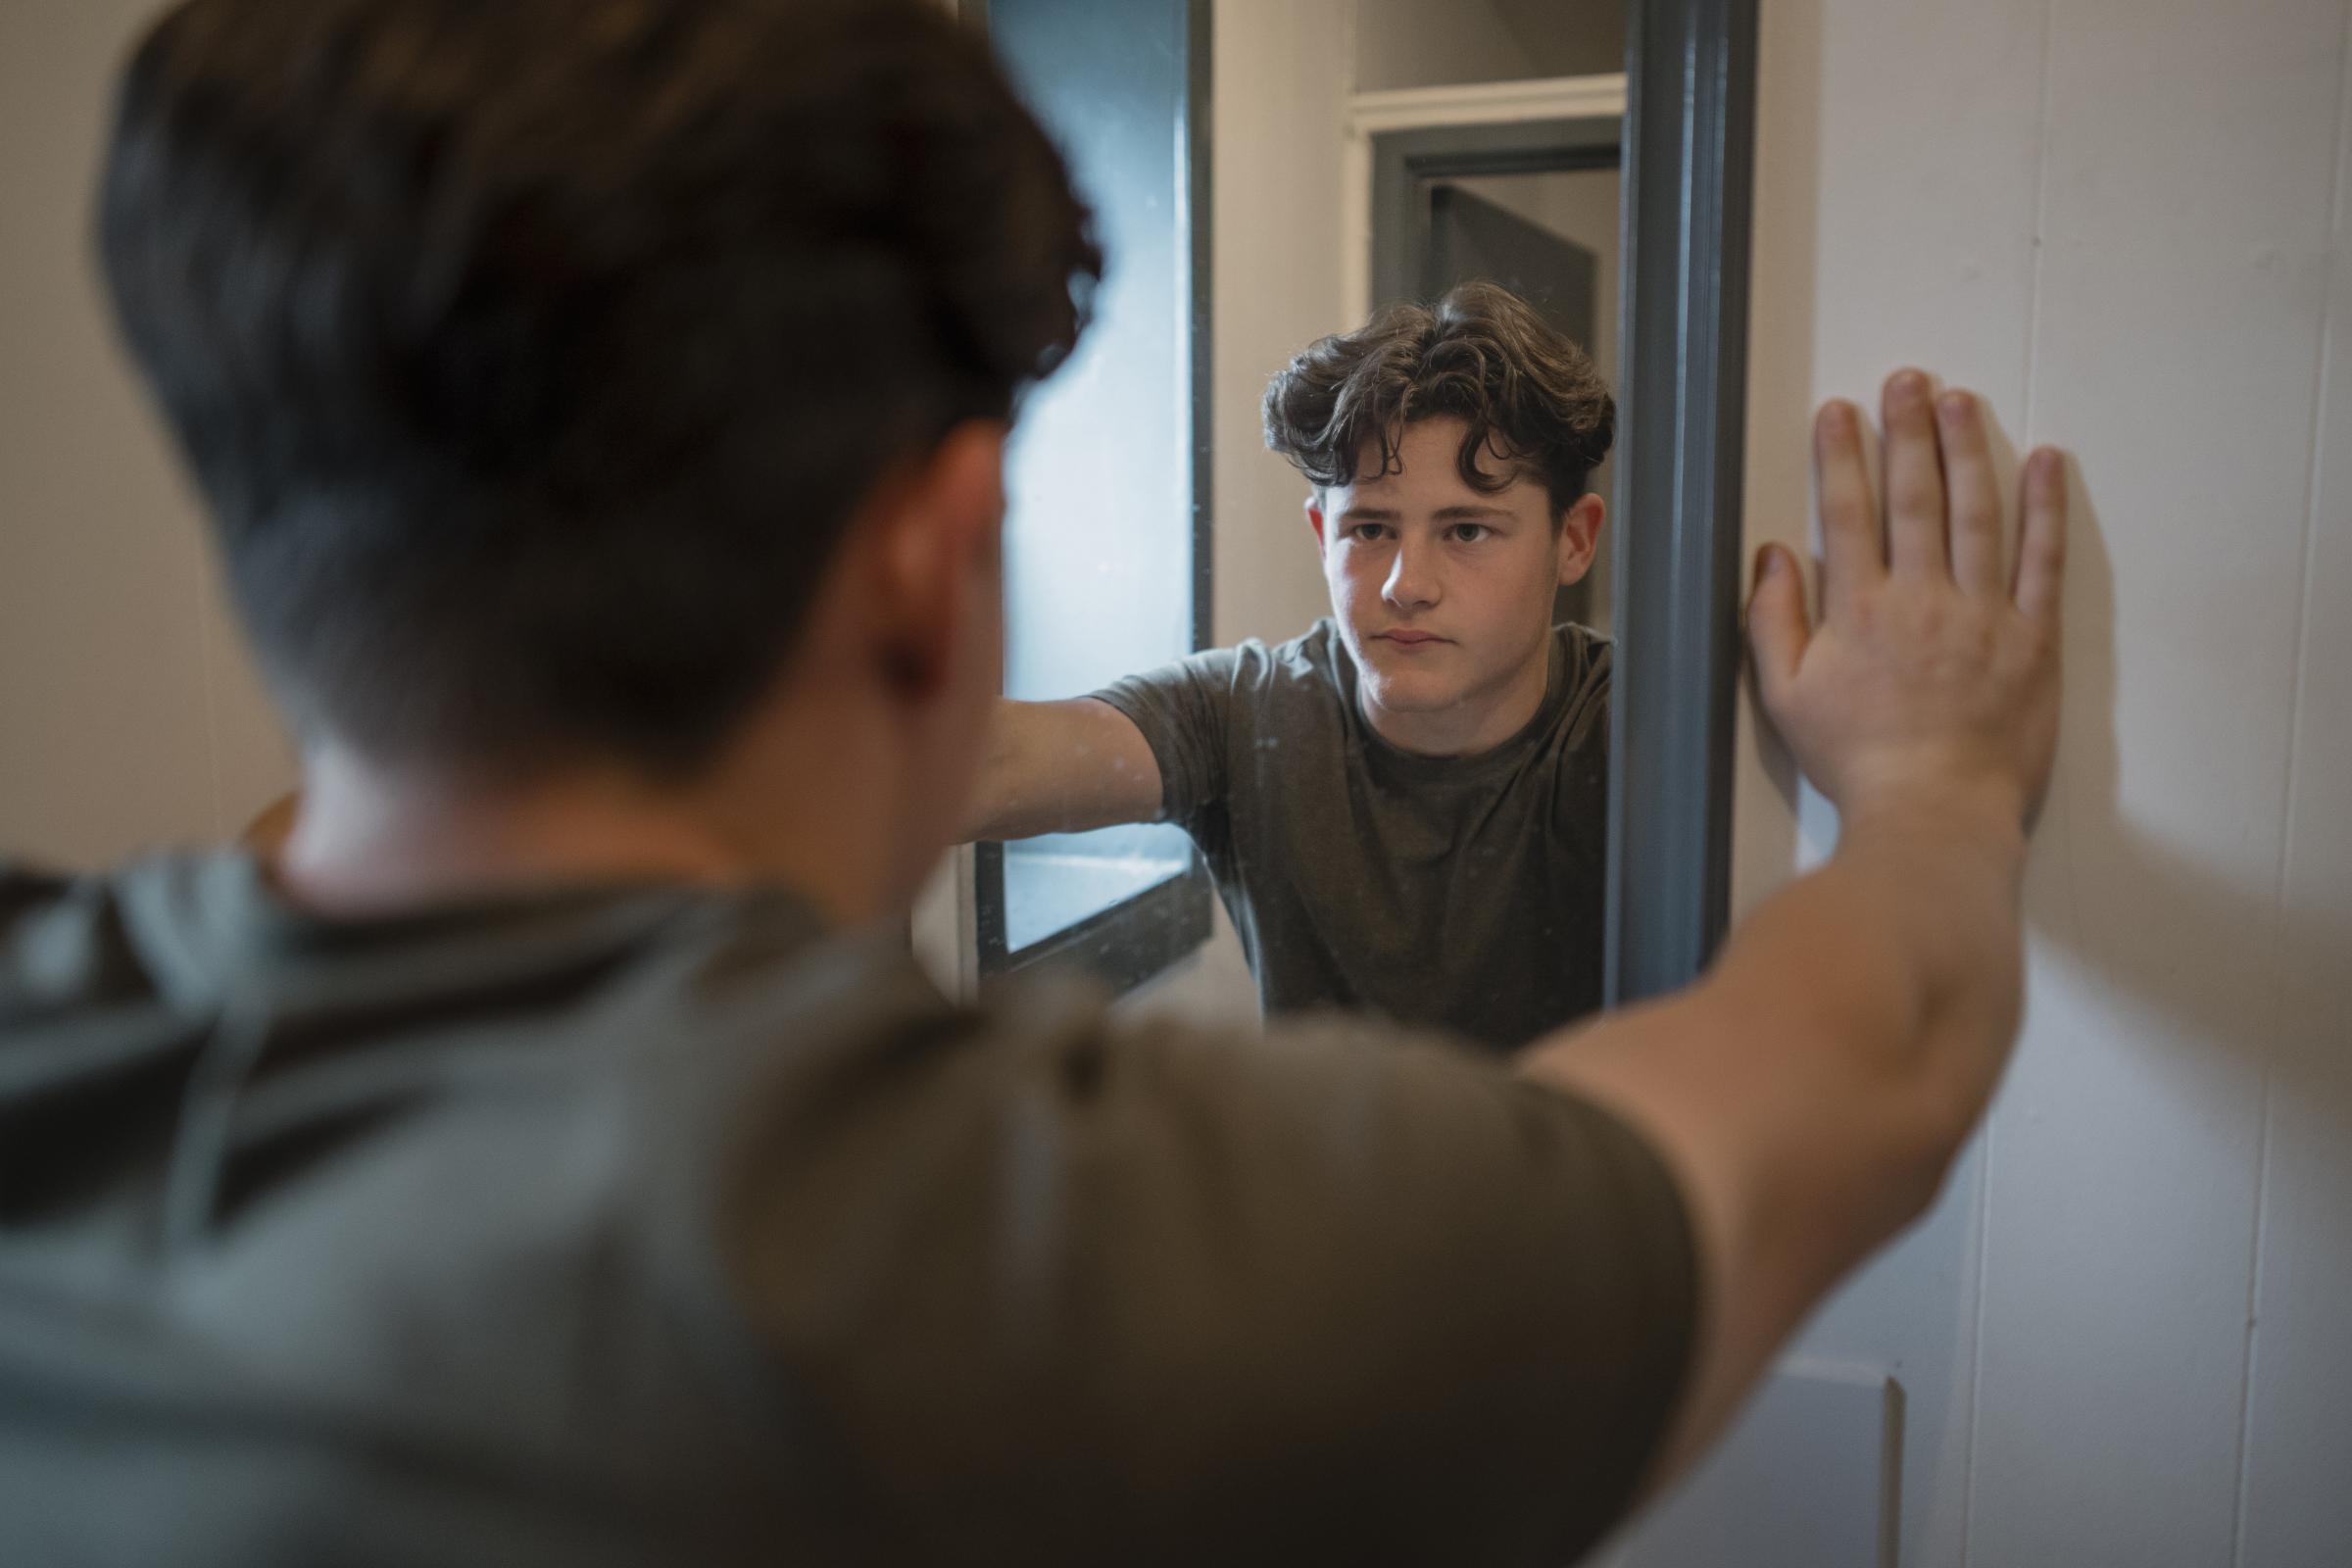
x: 933, y: 562
x: 1579, y: 538
x: 1314, y: 516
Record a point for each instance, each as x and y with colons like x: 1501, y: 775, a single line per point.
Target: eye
x: 1368, y: 532
x: 1470, y: 533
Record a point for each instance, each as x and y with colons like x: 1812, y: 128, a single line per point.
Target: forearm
x: 997, y: 790
x: 1889, y: 979
x: 1899, y: 962
x: 1061, y: 767
x: 1811, y: 1091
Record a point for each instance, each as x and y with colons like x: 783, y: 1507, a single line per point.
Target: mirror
x: 1359, y: 685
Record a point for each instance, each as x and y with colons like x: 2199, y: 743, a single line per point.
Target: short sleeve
x: 1147, y: 1294
x: 1184, y: 709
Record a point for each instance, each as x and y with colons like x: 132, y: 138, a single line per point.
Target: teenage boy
x: 552, y: 1155
x: 1404, y: 809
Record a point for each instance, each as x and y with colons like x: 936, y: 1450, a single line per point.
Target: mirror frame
x: 1689, y: 136
x: 1689, y: 171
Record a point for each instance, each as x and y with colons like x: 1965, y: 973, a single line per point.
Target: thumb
x: 1777, y: 628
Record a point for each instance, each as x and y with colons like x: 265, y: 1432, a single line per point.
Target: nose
x: 1412, y: 581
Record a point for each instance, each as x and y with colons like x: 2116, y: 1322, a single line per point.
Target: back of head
x: 533, y: 356
x: 1481, y: 355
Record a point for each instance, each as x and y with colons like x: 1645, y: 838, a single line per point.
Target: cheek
x: 1350, y: 575
x: 1517, y: 594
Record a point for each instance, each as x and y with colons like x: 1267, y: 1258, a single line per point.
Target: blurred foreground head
x: 534, y: 356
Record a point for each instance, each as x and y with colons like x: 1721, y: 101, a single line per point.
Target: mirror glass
x: 1099, y: 546
x: 1279, y: 629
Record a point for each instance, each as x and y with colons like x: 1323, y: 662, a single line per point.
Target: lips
x: 1413, y: 639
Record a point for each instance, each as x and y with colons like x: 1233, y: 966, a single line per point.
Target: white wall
x: 129, y: 712
x: 2122, y: 1333
x: 1420, y: 43
x: 1425, y: 43
x: 1281, y: 114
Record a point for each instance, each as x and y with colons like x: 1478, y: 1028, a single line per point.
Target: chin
x: 1411, y: 691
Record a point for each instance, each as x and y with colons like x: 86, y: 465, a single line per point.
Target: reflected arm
x: 1061, y: 768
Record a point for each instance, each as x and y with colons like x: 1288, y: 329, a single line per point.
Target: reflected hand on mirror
x: 1931, y: 675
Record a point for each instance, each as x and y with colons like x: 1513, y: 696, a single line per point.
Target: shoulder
x: 1315, y: 660
x: 1319, y: 645
x: 1249, y: 676
x: 1587, y: 664
x: 996, y: 1204
x: 1016, y: 1211
x: 1307, y: 658
x: 1589, y: 654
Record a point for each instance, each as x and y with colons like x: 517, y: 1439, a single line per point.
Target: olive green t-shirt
x: 651, y: 1224
x: 1462, y: 892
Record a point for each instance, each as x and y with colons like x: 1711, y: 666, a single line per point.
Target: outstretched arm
x: 1813, y: 1088
x: 1061, y: 768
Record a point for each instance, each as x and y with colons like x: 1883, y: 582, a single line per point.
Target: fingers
x: 2042, y: 544
x: 1853, y: 557
x: 1916, y: 543
x: 1976, y: 499
x: 1776, y: 629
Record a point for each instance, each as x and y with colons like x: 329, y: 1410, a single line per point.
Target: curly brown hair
x: 1481, y: 355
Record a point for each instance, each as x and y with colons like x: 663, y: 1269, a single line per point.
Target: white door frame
x: 1486, y: 103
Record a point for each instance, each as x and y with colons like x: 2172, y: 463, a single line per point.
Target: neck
x: 1478, y: 721
x: 374, y: 839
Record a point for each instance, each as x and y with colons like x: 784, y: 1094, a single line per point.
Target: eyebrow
x: 1441, y: 514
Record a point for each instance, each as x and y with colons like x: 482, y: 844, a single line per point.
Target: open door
x: 1473, y: 239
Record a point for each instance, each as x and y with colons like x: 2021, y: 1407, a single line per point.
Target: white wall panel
x: 1894, y: 225
x: 2114, y: 218
x: 2297, y: 1500
x: 2184, y: 220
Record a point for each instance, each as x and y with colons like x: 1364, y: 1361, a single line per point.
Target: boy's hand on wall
x: 1931, y: 676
